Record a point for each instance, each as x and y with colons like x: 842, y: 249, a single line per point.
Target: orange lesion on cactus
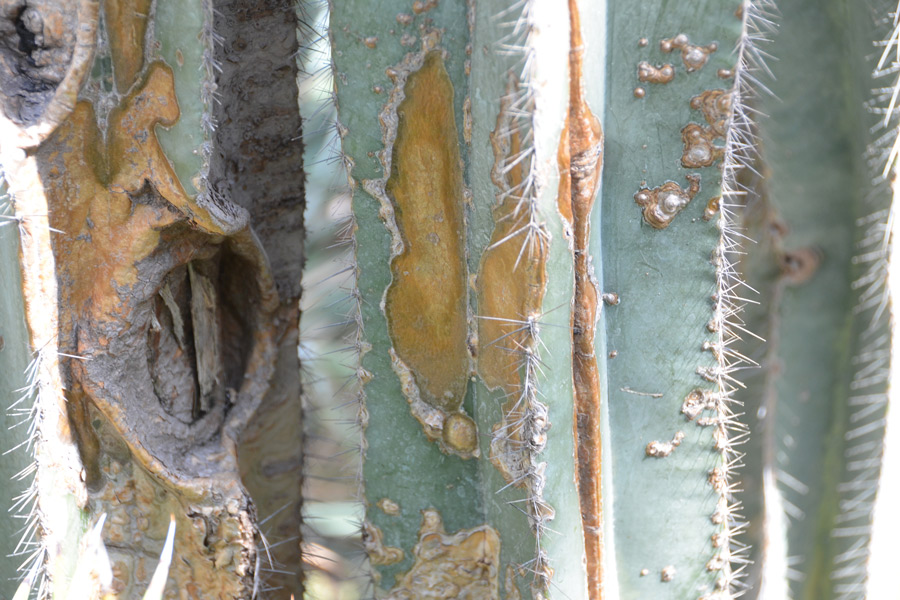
x: 580, y: 159
x: 716, y: 108
x: 511, y: 285
x: 513, y: 275
x: 378, y: 552
x: 660, y: 205
x: 90, y: 183
x: 700, y: 149
x: 426, y: 301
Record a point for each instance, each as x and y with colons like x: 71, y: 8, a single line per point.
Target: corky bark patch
x: 580, y: 162
x: 465, y: 564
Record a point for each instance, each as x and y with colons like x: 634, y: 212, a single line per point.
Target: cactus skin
x: 665, y: 511
x: 390, y: 430
x: 514, y: 127
x: 820, y: 219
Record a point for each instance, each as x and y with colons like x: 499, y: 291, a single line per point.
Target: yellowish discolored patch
x: 465, y: 564
x: 460, y: 433
x: 716, y: 108
x: 426, y: 301
x: 421, y: 6
x: 712, y: 207
x: 126, y: 27
x: 511, y: 285
x: 667, y: 574
x: 659, y: 449
x: 388, y: 507
x: 694, y: 57
x: 699, y: 147
x: 650, y: 74
x: 513, y: 275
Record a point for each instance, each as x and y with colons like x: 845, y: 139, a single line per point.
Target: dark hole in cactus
x: 37, y: 39
x: 798, y: 266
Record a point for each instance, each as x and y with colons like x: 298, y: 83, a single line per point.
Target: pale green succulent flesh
x: 15, y: 456
x: 178, y: 28
x: 660, y: 507
x: 14, y: 359
x: 824, y: 400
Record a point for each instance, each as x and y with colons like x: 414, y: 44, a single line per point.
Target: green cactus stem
x: 819, y: 404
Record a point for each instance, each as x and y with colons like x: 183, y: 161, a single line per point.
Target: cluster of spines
x: 519, y: 25
x: 882, y: 227
x: 331, y: 303
x: 210, y: 68
x: 526, y: 437
x: 731, y: 554
x: 29, y: 549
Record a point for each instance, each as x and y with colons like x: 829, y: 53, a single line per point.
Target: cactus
x: 655, y: 378
x: 530, y: 356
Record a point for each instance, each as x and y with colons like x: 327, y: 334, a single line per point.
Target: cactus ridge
x: 209, y: 68
x: 331, y: 312
x: 521, y: 434
x: 818, y: 499
x: 880, y: 574
x: 740, y: 149
x: 869, y: 392
x: 40, y: 407
x: 29, y: 548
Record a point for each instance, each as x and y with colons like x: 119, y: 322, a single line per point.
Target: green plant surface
x: 821, y: 215
x: 14, y: 459
x: 183, y: 33
x: 664, y: 511
x: 512, y: 117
